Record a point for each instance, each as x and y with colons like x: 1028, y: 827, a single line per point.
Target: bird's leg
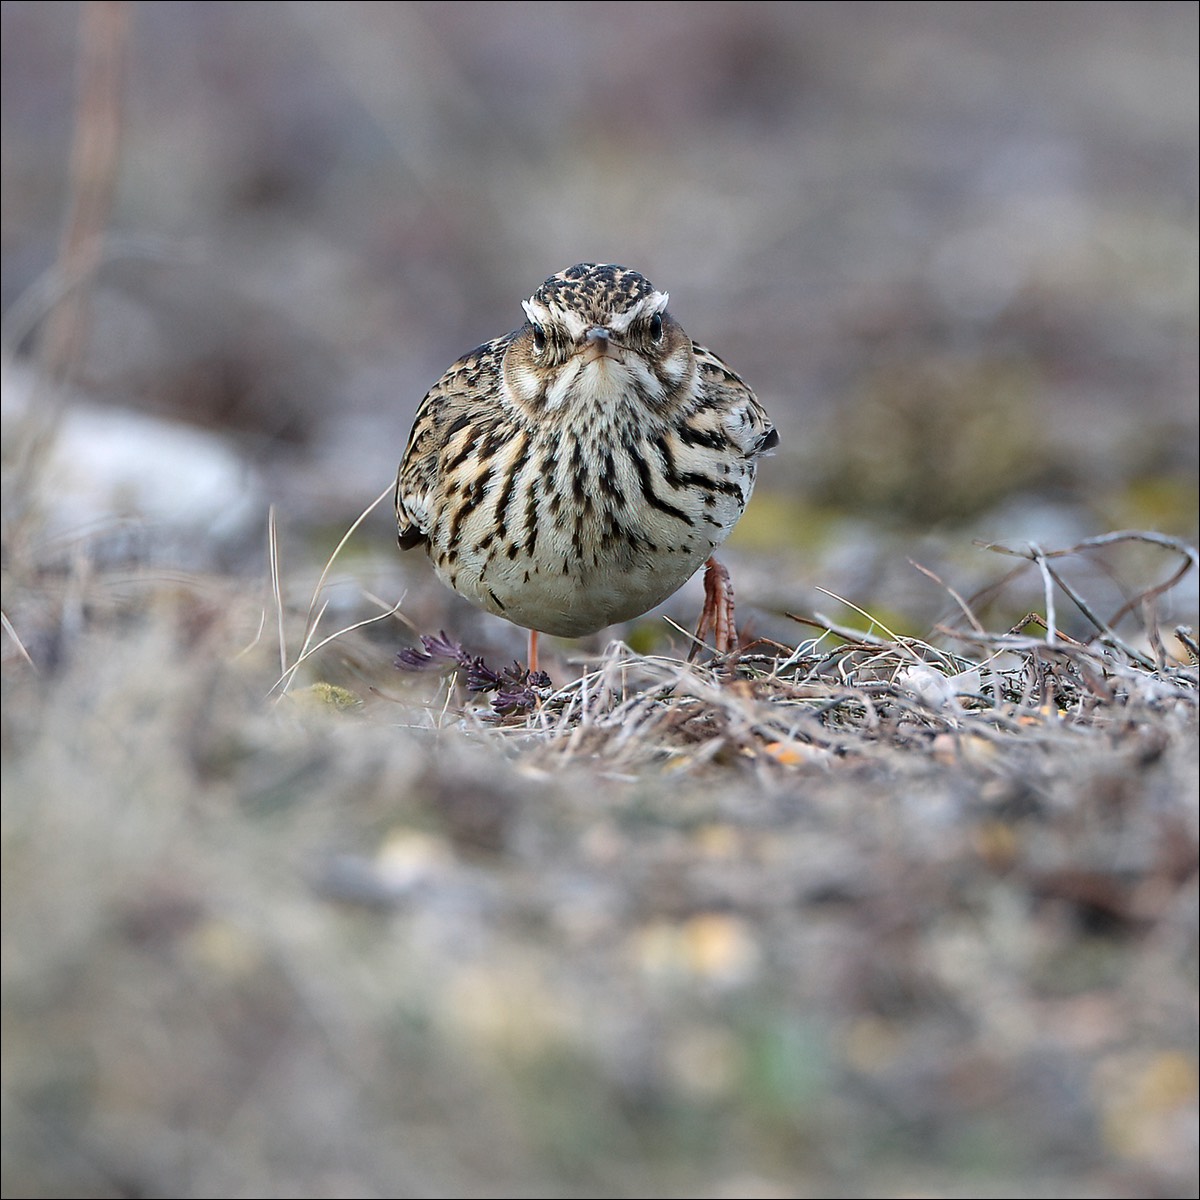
x: 533, y: 654
x: 717, y: 615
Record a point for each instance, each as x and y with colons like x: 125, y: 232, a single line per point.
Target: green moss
x: 777, y: 521
x: 1167, y: 503
x: 329, y: 695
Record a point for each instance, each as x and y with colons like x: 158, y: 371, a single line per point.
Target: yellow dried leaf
x: 789, y: 754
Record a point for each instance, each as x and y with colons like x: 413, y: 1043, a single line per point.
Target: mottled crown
x: 595, y: 294
x: 595, y: 291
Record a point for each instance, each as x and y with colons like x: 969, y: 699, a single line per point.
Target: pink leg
x: 717, y: 615
x: 533, y: 654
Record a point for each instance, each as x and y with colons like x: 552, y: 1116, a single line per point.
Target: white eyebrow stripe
x: 540, y: 314
x: 574, y: 324
x: 648, y: 306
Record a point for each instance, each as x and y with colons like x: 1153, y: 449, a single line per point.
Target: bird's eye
x: 656, y: 329
x: 539, y: 338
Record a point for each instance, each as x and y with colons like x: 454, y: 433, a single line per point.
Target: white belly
x: 570, y: 598
x: 576, y: 580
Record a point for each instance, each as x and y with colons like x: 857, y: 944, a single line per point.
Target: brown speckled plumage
x: 577, y: 471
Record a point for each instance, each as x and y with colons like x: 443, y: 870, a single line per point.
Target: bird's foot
x: 717, y: 616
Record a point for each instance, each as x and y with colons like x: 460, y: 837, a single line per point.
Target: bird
x: 577, y: 471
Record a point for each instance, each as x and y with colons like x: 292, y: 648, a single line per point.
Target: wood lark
x: 577, y: 471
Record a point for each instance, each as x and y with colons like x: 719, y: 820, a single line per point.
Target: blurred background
x: 952, y: 246
x: 286, y: 949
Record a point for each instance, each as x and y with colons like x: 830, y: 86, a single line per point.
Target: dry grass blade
x: 964, y: 607
x: 866, y: 616
x: 1191, y: 561
x: 103, y: 49
x: 314, y: 614
x: 311, y: 623
x: 825, y: 625
x: 7, y: 625
x: 289, y: 673
x: 262, y: 625
x: 1188, y: 638
x: 1047, y: 593
x: 276, y: 586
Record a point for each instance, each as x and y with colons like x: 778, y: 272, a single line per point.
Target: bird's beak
x: 596, y: 344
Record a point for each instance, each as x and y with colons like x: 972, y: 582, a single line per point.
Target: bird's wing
x: 465, y: 394
x: 729, y: 407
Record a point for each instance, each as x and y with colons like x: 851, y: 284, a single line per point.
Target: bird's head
x: 599, y: 334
